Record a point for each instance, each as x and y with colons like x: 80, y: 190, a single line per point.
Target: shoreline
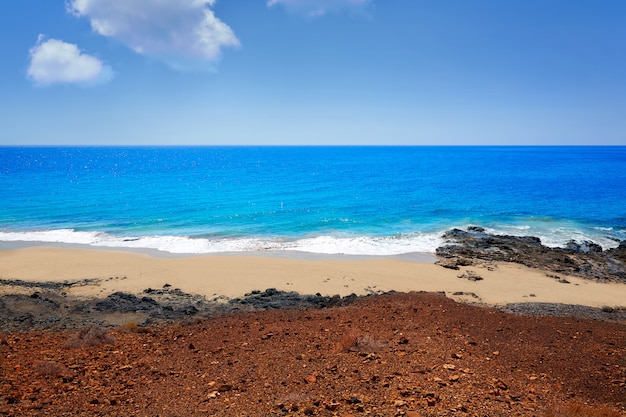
x: 61, y: 285
x: 424, y: 257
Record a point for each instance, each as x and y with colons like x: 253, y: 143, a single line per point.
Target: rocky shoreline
x: 45, y: 305
x: 48, y: 307
x: 586, y: 259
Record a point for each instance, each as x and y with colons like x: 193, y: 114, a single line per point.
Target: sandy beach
x: 233, y: 276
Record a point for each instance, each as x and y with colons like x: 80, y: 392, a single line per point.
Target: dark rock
x: 189, y: 310
x: 119, y: 302
x: 584, y: 247
x: 619, y: 253
x: 271, y: 298
x: 449, y: 263
x: 148, y: 300
x: 586, y: 259
x: 566, y: 310
x: 471, y: 276
x: 53, y: 285
x: 50, y: 309
x: 461, y: 293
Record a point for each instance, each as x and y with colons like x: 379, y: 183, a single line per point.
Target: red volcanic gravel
x: 415, y: 354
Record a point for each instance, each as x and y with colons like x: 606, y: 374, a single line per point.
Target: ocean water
x: 348, y: 200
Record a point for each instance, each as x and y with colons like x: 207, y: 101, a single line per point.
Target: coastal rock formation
x: 50, y: 307
x: 584, y: 259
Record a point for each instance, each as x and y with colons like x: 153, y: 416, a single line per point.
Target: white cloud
x: 170, y: 30
x: 54, y: 61
x: 316, y: 8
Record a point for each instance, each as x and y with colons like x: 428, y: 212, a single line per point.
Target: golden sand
x: 233, y: 276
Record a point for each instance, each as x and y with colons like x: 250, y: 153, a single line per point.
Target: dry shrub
x: 134, y: 327
x: 579, y: 409
x: 131, y: 325
x: 359, y: 342
x: 90, y: 336
x: 50, y: 368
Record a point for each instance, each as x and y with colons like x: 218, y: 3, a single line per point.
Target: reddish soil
x: 411, y: 354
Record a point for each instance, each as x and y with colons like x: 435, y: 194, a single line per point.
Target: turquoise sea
x: 349, y: 200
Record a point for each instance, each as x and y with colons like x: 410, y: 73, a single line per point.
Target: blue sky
x: 238, y: 72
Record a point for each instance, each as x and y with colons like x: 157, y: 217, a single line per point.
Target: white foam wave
x: 360, y: 245
x: 555, y: 236
x: 366, y: 245
x: 53, y: 236
x: 559, y: 234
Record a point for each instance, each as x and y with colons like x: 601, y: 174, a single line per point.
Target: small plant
x: 50, y: 368
x: 579, y: 409
x: 359, y: 342
x: 134, y: 327
x: 90, y: 336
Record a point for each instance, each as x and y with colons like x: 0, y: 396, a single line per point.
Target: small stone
x: 332, y: 406
x: 399, y: 403
x: 450, y: 263
x: 454, y: 378
x: 500, y: 384
x: 310, y: 379
x: 440, y: 381
x: 449, y: 367
x: 225, y: 388
x: 457, y: 356
x: 470, y: 275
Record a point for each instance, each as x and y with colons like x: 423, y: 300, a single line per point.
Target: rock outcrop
x: 583, y: 259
